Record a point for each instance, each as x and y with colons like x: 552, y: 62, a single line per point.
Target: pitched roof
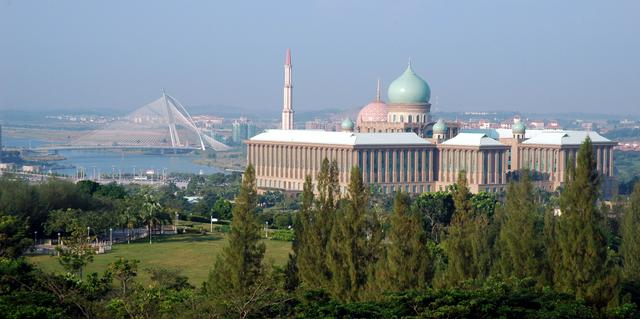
x: 339, y: 138
x: 472, y: 139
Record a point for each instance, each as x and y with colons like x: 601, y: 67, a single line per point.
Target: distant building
x: 242, y: 129
x: 398, y: 148
x: 30, y: 168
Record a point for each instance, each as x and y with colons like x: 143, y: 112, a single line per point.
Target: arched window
x: 402, y: 118
x: 409, y: 119
x: 394, y: 118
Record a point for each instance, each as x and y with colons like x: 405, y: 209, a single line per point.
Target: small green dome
x: 518, y: 128
x: 348, y: 125
x: 409, y: 88
x: 440, y: 127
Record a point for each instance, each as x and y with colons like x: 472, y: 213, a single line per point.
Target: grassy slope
x: 193, y: 254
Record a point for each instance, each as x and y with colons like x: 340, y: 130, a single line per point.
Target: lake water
x: 116, y: 161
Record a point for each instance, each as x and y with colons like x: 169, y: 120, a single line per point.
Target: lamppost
x: 35, y: 238
x: 176, y: 223
x: 110, y: 236
x: 88, y: 233
x: 266, y: 227
x: 59, y: 244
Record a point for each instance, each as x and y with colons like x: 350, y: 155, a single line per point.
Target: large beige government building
x: 398, y: 147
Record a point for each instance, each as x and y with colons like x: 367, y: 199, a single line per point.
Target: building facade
x: 398, y: 148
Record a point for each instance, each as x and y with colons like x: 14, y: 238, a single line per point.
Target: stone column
x: 403, y: 177
x: 430, y: 168
x: 610, y: 161
x: 496, y: 167
x: 480, y: 167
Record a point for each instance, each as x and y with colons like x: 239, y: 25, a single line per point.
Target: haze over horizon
x: 524, y: 56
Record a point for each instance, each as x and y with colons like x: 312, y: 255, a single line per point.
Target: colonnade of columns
x: 482, y: 166
x: 286, y: 166
x: 552, y: 161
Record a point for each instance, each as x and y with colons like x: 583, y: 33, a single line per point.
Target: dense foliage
x: 450, y: 254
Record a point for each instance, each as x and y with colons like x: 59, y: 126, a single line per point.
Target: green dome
x: 409, y: 88
x: 440, y: 127
x: 518, y: 127
x: 348, y: 125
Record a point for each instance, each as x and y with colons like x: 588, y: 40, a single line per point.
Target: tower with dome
x: 408, y: 108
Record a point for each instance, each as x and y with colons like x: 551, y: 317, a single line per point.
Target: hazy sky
x: 476, y: 55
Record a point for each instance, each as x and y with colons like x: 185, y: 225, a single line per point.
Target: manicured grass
x: 193, y: 254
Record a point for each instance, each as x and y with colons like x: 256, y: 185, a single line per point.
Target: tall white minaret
x: 287, y: 111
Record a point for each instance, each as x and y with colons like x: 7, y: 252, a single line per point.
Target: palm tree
x: 129, y: 218
x: 150, y: 212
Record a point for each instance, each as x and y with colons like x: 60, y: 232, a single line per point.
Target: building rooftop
x: 566, y: 138
x: 472, y: 139
x: 339, y: 138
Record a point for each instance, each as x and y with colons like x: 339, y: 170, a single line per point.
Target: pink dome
x: 373, y: 112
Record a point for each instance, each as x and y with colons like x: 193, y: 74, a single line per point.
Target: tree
x: 302, y: 263
x: 150, y: 213
x: 521, y: 247
x: 76, y: 252
x: 581, y: 238
x: 129, y: 216
x: 222, y: 209
x: 316, y: 219
x: 630, y: 248
x: 467, y: 245
x: 125, y: 271
x: 435, y: 210
x: 13, y: 237
x: 239, y: 283
x: 409, y: 261
x: 347, y: 248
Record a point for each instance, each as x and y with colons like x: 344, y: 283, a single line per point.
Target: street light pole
x: 88, y: 233
x: 35, y: 238
x: 110, y: 236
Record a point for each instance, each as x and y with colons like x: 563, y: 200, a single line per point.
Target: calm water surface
x: 115, y: 161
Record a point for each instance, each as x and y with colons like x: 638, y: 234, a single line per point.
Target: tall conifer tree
x: 458, y: 246
x: 581, y: 237
x: 317, y: 215
x: 309, y: 244
x: 521, y: 247
x: 239, y: 267
x: 630, y: 248
x: 347, y: 249
x: 409, y: 260
x: 469, y: 241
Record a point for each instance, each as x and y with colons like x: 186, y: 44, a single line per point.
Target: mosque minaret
x: 287, y: 110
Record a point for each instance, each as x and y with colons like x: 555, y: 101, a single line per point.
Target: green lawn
x: 193, y: 254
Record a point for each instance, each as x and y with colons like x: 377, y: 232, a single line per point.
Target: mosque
x: 398, y: 147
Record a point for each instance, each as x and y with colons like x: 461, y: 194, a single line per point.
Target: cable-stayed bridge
x: 162, y: 124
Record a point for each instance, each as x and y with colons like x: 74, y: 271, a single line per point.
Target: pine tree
x: 239, y: 266
x: 468, y: 245
x: 457, y: 245
x: 308, y: 246
x: 317, y: 215
x: 630, y: 248
x: 522, y: 251
x: 581, y: 237
x: 347, y: 248
x: 409, y: 261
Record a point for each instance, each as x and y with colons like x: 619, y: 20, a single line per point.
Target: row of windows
x: 416, y: 118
